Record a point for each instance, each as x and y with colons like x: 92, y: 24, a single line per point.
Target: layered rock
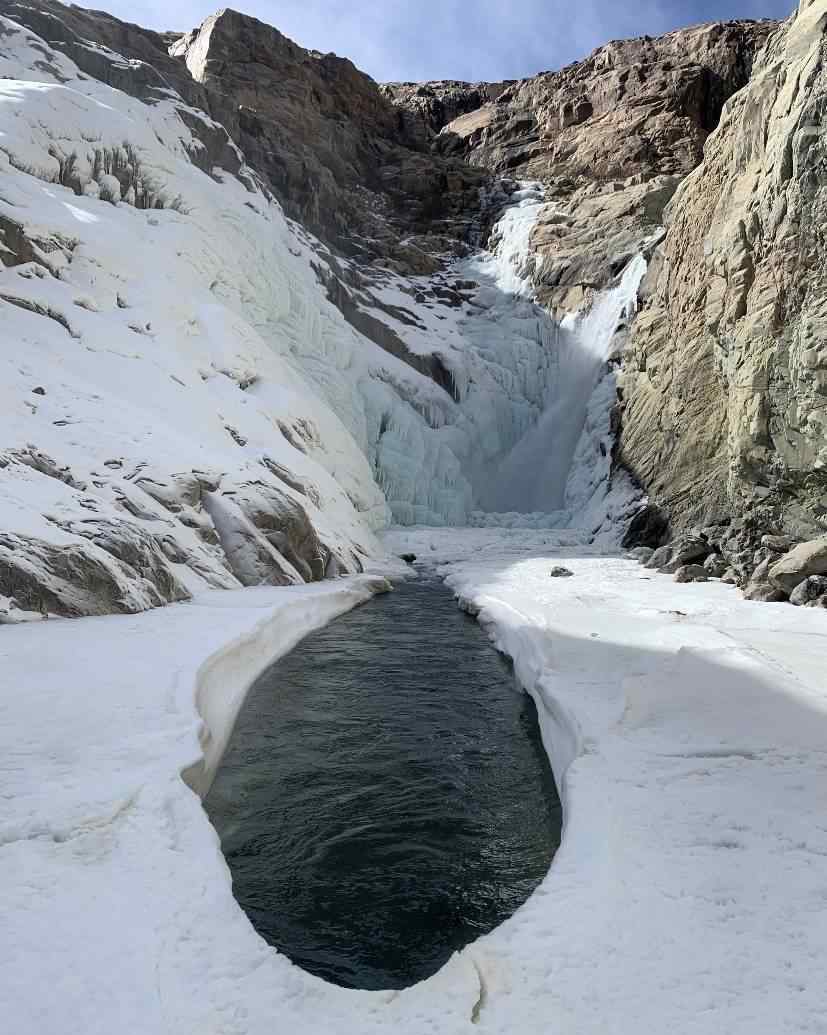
x: 196, y: 392
x: 612, y: 137
x: 726, y: 382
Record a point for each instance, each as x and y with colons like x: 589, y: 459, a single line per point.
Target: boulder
x: 806, y: 559
x: 559, y: 572
x: 809, y: 591
x: 689, y: 548
x: 776, y: 543
x: 661, y: 557
x: 764, y: 593
x: 761, y: 589
x: 716, y: 566
x: 641, y: 553
x: 691, y: 573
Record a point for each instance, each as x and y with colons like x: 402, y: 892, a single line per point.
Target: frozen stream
x: 385, y: 798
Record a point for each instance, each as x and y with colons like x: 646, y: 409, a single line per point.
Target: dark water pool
x: 385, y: 798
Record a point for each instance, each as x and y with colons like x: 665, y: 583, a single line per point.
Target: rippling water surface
x: 385, y: 798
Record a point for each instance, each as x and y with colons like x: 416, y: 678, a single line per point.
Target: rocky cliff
x: 197, y: 390
x: 726, y: 381
x: 328, y: 141
x: 611, y: 137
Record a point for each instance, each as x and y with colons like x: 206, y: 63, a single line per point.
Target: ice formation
x: 540, y: 473
x: 178, y: 389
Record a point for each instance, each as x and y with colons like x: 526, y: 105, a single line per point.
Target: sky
x: 454, y: 39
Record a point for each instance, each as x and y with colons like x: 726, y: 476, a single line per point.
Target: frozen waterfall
x: 533, y: 476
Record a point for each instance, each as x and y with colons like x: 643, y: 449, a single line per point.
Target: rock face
x: 427, y: 108
x: 196, y: 392
x: 611, y: 136
x: 726, y: 381
x: 329, y: 142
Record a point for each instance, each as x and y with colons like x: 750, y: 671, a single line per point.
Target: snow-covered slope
x: 155, y: 422
x: 183, y: 406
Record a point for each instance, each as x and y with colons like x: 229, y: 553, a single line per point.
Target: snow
x: 157, y: 356
x: 686, y: 728
x: 509, y: 259
x: 196, y: 337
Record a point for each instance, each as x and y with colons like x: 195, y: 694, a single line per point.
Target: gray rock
x: 716, y: 566
x: 764, y: 593
x: 809, y: 591
x: 760, y: 588
x: 691, y: 573
x: 641, y: 553
x: 806, y: 559
x: 670, y: 568
x: 743, y: 562
x: 725, y: 375
x: 560, y: 573
x: 110, y: 568
x: 776, y: 543
x: 689, y: 548
x: 661, y: 556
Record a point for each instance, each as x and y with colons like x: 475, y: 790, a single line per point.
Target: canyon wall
x: 726, y: 379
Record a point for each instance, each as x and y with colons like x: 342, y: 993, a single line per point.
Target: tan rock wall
x: 726, y: 383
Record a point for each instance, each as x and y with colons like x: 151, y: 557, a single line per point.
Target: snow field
x: 686, y: 728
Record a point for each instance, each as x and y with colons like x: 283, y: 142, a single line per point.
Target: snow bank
x: 117, y: 904
x: 686, y: 728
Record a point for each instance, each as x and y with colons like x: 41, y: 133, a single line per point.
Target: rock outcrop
x: 611, y: 137
x: 328, y: 141
x: 726, y: 380
x: 428, y: 107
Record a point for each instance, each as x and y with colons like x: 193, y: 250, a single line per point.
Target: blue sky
x: 440, y: 39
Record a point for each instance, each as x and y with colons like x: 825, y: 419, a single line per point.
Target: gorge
x: 278, y: 339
